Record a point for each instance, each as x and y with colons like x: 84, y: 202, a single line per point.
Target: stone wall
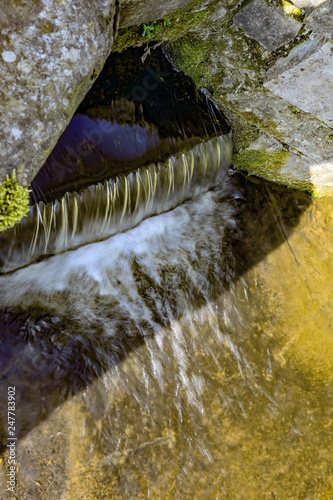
x: 50, y: 53
x: 271, y: 69
x: 269, y: 64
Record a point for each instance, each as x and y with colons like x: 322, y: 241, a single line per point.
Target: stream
x: 189, y: 357
x: 167, y: 332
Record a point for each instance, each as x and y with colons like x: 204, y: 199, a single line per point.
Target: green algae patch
x: 268, y: 165
x: 261, y: 162
x: 14, y: 202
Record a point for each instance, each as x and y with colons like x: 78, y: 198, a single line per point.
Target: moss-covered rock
x: 261, y: 162
x: 14, y: 202
x: 171, y: 27
x: 275, y: 166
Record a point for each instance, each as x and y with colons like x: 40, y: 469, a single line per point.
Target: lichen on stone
x: 14, y: 202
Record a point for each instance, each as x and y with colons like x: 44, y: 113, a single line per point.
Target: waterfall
x: 118, y: 204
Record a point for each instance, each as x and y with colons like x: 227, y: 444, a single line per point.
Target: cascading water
x: 116, y: 205
x: 160, y: 363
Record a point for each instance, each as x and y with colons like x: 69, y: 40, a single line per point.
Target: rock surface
x: 50, y: 54
x: 266, y: 24
x: 308, y: 84
x: 296, y: 169
x: 265, y: 88
x: 276, y: 117
x: 321, y: 19
x: 51, y: 51
x: 134, y: 12
x: 308, y: 5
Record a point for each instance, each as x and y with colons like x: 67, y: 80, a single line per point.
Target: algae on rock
x: 14, y: 202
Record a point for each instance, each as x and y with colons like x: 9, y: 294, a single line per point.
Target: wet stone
x: 266, y: 24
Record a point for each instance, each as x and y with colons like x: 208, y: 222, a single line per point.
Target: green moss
x: 171, y: 27
x: 217, y: 60
x: 14, y: 202
x: 268, y: 166
x: 259, y: 161
x: 182, y: 22
x: 243, y: 133
x: 267, y: 125
x: 127, y: 37
x: 190, y: 53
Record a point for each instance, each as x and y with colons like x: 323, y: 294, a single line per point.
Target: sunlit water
x: 187, y: 358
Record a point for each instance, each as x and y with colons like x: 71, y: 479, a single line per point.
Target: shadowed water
x: 135, y: 114
x: 190, y: 357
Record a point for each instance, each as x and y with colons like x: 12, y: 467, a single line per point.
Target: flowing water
x: 187, y: 358
x: 119, y: 203
x: 143, y: 141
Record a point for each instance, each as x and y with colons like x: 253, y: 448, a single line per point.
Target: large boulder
x: 51, y: 51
